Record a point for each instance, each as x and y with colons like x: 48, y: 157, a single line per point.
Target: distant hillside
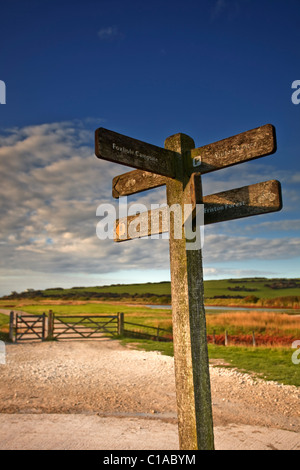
x: 250, y: 291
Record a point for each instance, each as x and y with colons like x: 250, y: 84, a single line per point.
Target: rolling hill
x: 245, y: 291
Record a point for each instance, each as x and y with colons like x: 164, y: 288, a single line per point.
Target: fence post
x: 214, y: 337
x: 157, y: 334
x: 50, y: 325
x: 11, y: 326
x: 121, y: 323
x: 253, y: 339
x: 226, y: 338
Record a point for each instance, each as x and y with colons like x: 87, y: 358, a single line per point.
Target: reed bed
x: 262, y: 322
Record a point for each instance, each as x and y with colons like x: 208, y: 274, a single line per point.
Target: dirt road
x: 101, y: 395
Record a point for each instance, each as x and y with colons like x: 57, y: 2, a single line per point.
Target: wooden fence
x: 226, y: 339
x: 135, y: 330
x: 25, y: 327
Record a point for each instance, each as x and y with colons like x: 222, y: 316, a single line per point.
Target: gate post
x: 120, y: 324
x: 43, y: 327
x: 11, y: 326
x: 16, y: 335
x: 50, y: 325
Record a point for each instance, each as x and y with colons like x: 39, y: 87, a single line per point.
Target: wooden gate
x: 30, y: 327
x: 24, y: 327
x: 83, y: 326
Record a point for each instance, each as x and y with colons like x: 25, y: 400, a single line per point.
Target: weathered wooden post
x: 44, y: 327
x: 226, y: 338
x: 120, y: 323
x: 194, y: 407
x: 179, y: 166
x: 16, y: 329
x: 11, y: 326
x: 50, y: 325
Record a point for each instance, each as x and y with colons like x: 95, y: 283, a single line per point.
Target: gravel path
x: 102, y: 380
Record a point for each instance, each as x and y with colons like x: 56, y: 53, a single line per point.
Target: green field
x: 247, y: 291
x: 4, y: 325
x: 267, y: 362
x: 271, y: 363
x: 155, y: 288
x: 254, y: 286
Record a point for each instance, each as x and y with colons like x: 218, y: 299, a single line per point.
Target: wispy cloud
x: 226, y: 8
x: 236, y: 248
x: 51, y: 184
x: 218, y: 8
x: 292, y: 225
x: 110, y: 33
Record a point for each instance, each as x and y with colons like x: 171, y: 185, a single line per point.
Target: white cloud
x: 51, y: 184
x: 228, y: 8
x: 296, y: 177
x: 218, y: 8
x: 218, y: 273
x: 110, y: 33
x: 218, y: 247
x: 276, y: 225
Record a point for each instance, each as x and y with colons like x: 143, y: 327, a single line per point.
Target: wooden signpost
x: 228, y: 152
x: 131, y: 152
x: 256, y: 199
x: 179, y: 166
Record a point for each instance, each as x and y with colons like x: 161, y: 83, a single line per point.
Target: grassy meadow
x: 275, y: 331
x: 257, y: 287
x: 259, y: 292
x: 235, y: 322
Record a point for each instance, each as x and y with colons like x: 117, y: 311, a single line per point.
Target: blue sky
x: 210, y: 69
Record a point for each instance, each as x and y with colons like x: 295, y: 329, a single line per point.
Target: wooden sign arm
x: 135, y: 182
x: 124, y: 150
x: 256, y: 199
x: 240, y: 148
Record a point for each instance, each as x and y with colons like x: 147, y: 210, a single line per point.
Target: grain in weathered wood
x: 50, y: 324
x: 127, y: 151
x: 136, y: 181
x: 243, y: 147
x: 152, y: 222
x: 240, y: 148
x: 194, y: 408
x: 256, y: 199
x: 192, y: 195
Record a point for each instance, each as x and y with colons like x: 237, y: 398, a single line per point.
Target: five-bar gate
x: 26, y: 327
x: 87, y: 326
x: 30, y: 327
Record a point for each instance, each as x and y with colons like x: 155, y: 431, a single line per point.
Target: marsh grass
x: 267, y: 362
x: 269, y: 323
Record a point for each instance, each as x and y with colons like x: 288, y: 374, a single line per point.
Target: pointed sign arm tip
x: 118, y: 148
x: 243, y: 147
x: 256, y: 199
